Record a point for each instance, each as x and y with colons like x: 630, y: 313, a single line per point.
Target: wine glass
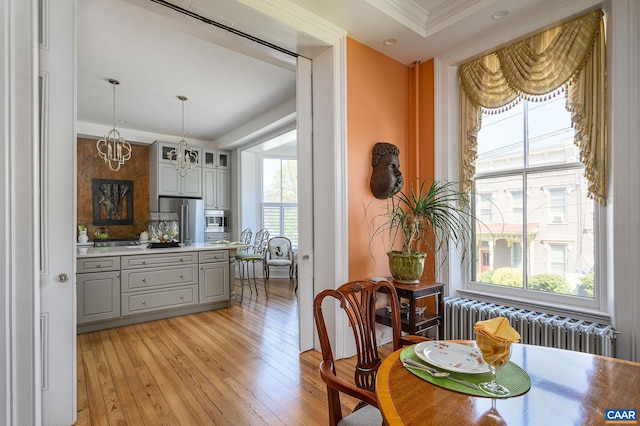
x: 496, y: 354
x: 490, y: 417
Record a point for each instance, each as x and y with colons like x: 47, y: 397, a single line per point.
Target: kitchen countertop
x: 141, y: 249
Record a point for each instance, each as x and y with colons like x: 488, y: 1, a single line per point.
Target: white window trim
x: 447, y: 166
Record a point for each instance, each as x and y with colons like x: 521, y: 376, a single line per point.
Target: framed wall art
x: 112, y: 202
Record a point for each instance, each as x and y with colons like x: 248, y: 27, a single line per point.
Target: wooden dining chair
x: 359, y: 300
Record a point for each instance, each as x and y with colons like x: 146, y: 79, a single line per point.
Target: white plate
x: 452, y: 356
x: 141, y: 246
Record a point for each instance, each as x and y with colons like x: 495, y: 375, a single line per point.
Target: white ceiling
x: 157, y: 54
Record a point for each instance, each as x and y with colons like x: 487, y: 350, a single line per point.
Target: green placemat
x: 511, y: 376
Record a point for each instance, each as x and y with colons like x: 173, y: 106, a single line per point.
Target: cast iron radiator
x: 535, y: 328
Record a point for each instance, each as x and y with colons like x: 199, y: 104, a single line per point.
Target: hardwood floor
x: 237, y: 366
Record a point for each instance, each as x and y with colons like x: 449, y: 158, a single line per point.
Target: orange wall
x: 381, y: 107
x: 91, y: 166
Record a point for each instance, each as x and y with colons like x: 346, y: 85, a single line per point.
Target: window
x: 557, y: 205
x: 557, y: 259
x: 280, y: 198
x: 516, y: 206
x: 516, y: 255
x: 485, y: 207
x: 527, y: 156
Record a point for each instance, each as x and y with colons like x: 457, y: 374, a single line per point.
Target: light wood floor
x: 237, y: 366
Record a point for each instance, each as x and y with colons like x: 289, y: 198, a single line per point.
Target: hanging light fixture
x: 112, y: 148
x: 183, y: 157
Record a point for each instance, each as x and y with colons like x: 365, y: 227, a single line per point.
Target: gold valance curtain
x: 569, y: 58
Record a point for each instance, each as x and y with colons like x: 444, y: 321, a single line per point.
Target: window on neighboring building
x: 557, y: 259
x: 516, y: 206
x: 516, y: 255
x: 485, y: 208
x: 280, y: 198
x: 557, y: 205
x: 527, y: 156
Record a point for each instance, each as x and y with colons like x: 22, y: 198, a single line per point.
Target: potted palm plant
x: 434, y: 218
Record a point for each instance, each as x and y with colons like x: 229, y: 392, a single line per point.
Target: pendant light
x: 112, y: 148
x: 182, y: 157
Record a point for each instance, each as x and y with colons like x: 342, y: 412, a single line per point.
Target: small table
x: 417, y: 324
x: 567, y: 388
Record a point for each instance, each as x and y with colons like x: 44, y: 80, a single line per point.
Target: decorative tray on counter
x: 164, y: 245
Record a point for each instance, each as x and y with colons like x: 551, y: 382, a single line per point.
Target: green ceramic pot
x: 406, y: 268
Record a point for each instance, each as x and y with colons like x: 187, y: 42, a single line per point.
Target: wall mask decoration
x: 386, y: 178
x: 112, y: 202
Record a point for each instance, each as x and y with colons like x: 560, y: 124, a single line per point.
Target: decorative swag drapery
x: 569, y: 58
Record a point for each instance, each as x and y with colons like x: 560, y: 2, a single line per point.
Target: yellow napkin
x: 494, y: 338
x: 497, y: 328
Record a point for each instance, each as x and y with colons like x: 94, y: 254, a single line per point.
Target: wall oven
x: 216, y: 221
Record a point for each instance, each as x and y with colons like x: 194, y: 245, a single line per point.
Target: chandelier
x: 182, y: 157
x: 112, y: 148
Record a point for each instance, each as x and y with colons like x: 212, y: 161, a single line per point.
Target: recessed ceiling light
x: 390, y: 42
x: 499, y: 14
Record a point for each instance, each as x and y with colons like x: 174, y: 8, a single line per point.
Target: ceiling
x: 234, y: 85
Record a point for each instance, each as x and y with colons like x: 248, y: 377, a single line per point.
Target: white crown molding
x: 552, y: 15
x: 452, y: 11
x: 406, y: 12
x: 298, y: 18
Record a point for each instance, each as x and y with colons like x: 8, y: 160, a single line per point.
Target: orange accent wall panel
x: 386, y: 102
x: 377, y: 111
x: 91, y: 166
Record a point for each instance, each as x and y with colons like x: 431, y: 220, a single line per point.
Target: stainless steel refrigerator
x: 190, y: 215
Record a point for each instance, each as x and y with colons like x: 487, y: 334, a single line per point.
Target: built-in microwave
x: 216, y: 221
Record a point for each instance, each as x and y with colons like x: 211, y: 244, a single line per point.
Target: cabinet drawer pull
x: 97, y: 265
x: 144, y: 262
x: 144, y: 303
x: 181, y: 276
x: 181, y: 297
x: 144, y: 280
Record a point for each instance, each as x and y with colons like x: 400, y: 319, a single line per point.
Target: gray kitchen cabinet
x: 165, y: 180
x: 98, y: 293
x: 214, y: 276
x: 148, y: 287
x: 157, y: 300
x: 128, y: 289
x: 217, y: 188
x: 216, y: 159
x: 213, y: 237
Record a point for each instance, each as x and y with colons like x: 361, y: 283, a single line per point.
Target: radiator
x: 535, y: 328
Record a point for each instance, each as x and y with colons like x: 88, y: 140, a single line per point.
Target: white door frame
x: 57, y: 171
x: 19, y: 263
x: 304, y: 268
x: 19, y: 350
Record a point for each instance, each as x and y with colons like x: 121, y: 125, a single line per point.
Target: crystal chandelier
x: 182, y: 157
x: 112, y: 148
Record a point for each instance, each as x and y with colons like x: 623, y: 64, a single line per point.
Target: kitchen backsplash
x: 136, y: 170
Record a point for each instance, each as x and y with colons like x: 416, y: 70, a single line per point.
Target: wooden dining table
x: 567, y: 388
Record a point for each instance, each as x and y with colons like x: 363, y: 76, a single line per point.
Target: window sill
x: 548, y: 308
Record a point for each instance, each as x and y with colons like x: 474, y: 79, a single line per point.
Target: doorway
x: 329, y: 120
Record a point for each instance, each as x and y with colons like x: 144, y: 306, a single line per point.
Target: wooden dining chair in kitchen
x: 249, y: 259
x: 279, y: 252
x: 360, y: 300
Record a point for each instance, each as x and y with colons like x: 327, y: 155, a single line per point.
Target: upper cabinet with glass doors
x: 164, y: 178
x: 216, y: 176
x: 215, y: 158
